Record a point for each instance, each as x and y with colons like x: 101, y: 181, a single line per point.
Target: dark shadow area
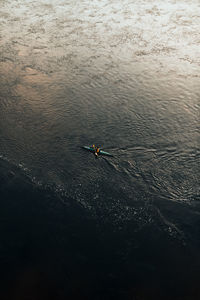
x: 54, y: 251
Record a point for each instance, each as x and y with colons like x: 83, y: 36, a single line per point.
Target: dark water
x: 124, y: 75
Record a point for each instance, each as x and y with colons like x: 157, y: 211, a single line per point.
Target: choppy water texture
x: 126, y: 76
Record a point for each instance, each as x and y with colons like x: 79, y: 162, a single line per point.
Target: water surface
x: 124, y: 75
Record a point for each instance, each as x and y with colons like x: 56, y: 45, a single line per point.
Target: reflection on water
x: 124, y: 75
